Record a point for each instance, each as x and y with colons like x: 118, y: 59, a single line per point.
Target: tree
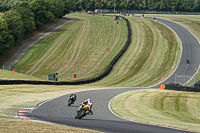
x: 15, y: 24
x: 6, y: 39
x: 56, y: 7
x: 6, y: 5
x: 69, y: 5
x: 42, y: 16
x: 27, y: 15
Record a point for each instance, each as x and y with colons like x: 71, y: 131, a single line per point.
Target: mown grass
x: 152, y: 56
x: 21, y: 126
x: 74, y: 48
x: 10, y: 52
x: 81, y: 48
x: 191, y: 22
x: 161, y: 107
x: 15, y: 97
x: 10, y: 75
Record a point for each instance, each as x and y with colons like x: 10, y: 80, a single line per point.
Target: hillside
x: 10, y: 75
x: 152, y: 56
x: 86, y: 47
x: 79, y: 48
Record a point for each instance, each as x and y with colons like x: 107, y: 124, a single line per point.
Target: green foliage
x: 23, y: 16
x: 40, y: 11
x: 27, y: 15
x: 69, y: 5
x: 161, y: 5
x: 15, y: 24
x: 56, y: 7
x: 6, y: 39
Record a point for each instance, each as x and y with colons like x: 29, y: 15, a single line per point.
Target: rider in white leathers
x: 89, y: 103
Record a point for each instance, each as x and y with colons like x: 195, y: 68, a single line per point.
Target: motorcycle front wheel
x: 81, y: 114
x: 70, y: 102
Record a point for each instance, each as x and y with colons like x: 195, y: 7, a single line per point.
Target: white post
x: 195, y: 79
x: 114, y: 7
x: 175, y: 78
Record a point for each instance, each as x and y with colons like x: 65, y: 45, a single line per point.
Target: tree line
x: 20, y: 17
x: 159, y: 5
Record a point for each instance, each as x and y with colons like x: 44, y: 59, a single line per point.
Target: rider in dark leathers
x: 72, y: 97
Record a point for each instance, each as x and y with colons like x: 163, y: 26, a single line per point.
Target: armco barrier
x: 178, y: 87
x: 86, y: 81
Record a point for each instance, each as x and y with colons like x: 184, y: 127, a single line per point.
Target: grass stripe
x: 160, y: 107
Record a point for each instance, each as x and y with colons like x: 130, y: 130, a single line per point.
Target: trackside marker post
x: 74, y: 75
x: 162, y: 86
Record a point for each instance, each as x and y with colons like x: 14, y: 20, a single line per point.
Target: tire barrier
x: 179, y: 87
x: 79, y: 82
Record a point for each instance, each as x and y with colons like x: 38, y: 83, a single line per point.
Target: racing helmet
x: 88, y: 99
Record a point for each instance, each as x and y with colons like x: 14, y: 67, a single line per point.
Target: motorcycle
x: 71, y: 100
x: 83, y: 110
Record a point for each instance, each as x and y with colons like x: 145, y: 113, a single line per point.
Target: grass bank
x: 191, y: 22
x: 10, y: 75
x: 15, y: 97
x: 152, y: 56
x: 81, y: 48
x: 10, y: 52
x: 160, y: 107
x: 21, y: 126
x: 77, y: 48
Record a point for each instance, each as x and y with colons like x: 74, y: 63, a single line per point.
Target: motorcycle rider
x: 72, y: 97
x: 89, y: 103
x: 188, y: 61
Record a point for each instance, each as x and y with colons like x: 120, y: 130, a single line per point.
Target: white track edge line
x: 121, y: 88
x: 180, y: 55
x: 137, y: 121
x: 193, y: 36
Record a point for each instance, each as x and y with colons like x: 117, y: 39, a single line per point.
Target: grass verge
x: 10, y: 52
x: 74, y: 48
x: 152, y: 56
x: 10, y: 75
x: 160, y: 107
x: 21, y: 126
x: 191, y: 22
x: 15, y: 97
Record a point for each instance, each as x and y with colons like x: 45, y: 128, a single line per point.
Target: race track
x: 57, y: 111
x: 190, y: 50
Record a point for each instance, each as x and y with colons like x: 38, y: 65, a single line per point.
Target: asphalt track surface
x: 190, y: 50
x: 57, y: 111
